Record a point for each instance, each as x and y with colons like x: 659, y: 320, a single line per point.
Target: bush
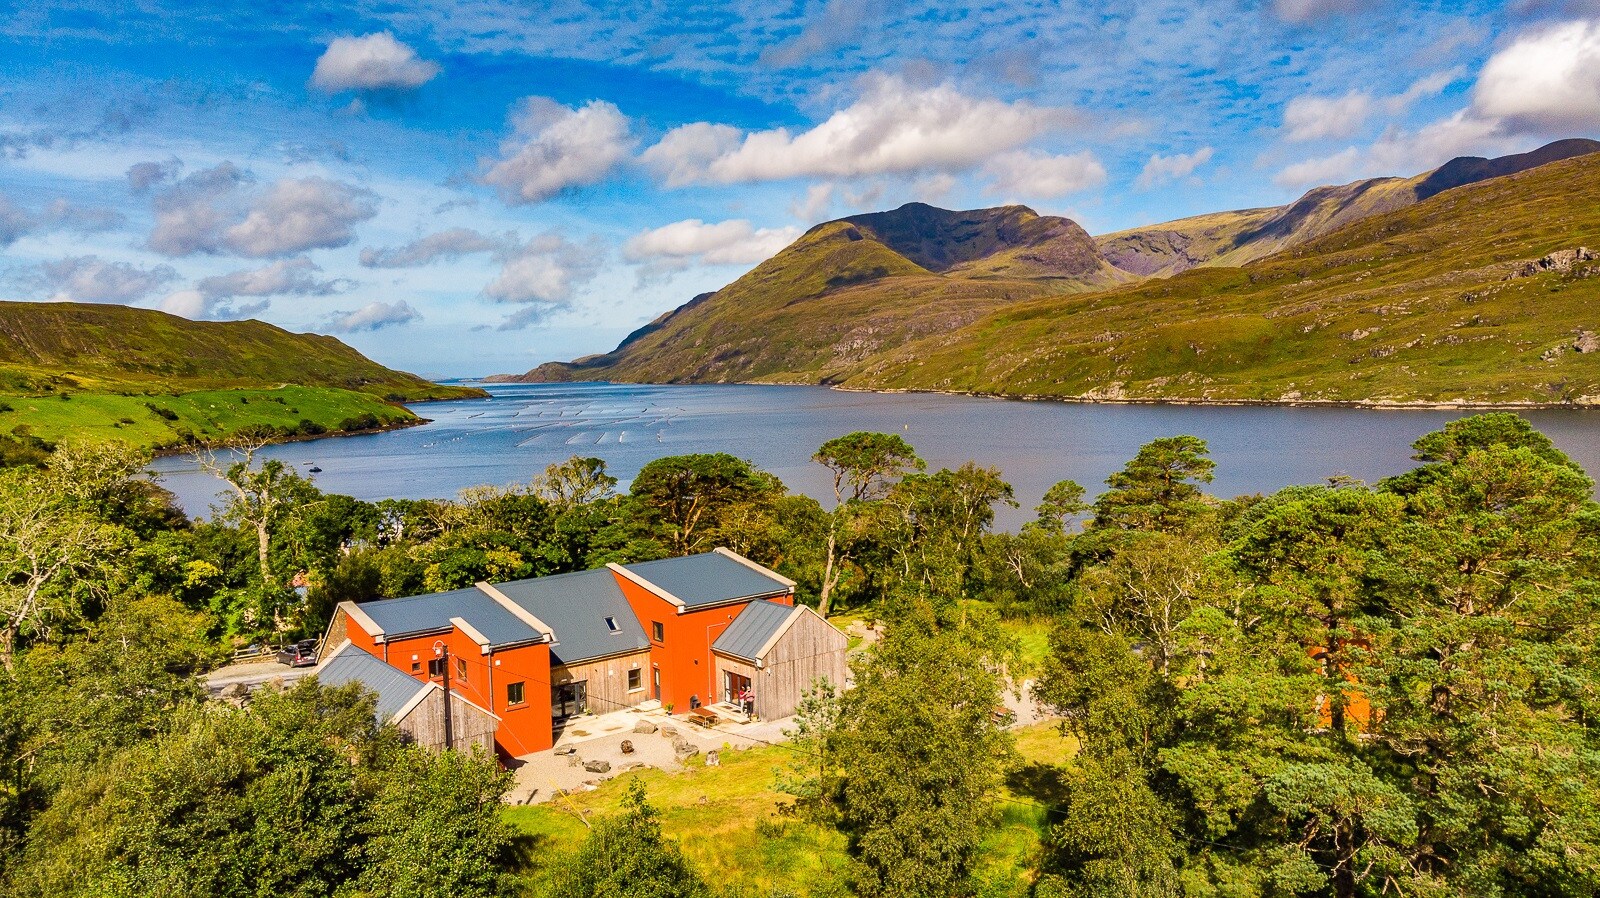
x: 163, y: 413
x: 310, y: 428
x: 366, y: 421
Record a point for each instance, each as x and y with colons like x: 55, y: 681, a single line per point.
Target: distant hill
x: 1485, y: 293
x: 77, y: 369
x: 850, y: 288
x: 1236, y: 238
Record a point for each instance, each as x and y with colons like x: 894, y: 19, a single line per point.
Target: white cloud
x: 191, y: 215
x: 92, y: 279
x: 1321, y: 170
x: 66, y: 215
x: 198, y: 306
x: 295, y: 215
x: 841, y: 21
x: 894, y: 128
x: 555, y: 148
x: 372, y: 316
x: 144, y: 175
x: 452, y: 243
x: 1547, y: 80
x: 1166, y: 169
x: 1035, y: 174
x: 1319, y: 118
x: 14, y: 222
x: 816, y: 203
x: 286, y: 277
x: 734, y: 242
x: 1403, y: 152
x: 373, y: 62
x: 1311, y: 10
x: 546, y: 270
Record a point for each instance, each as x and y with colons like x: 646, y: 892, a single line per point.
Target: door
x: 655, y: 678
x: 569, y: 699
x: 734, y: 687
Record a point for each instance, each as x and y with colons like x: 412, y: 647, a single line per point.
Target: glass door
x: 569, y: 699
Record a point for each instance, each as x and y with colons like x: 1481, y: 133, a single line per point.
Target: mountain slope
x: 850, y: 288
x: 1478, y: 294
x: 1237, y: 238
x: 73, y: 370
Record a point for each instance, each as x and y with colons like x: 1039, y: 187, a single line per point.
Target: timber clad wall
x: 607, y: 680
x: 811, y: 649
x: 470, y: 726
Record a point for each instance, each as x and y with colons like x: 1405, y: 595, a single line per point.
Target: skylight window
x: 611, y: 624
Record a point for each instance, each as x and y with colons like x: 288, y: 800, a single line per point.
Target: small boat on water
x: 313, y: 470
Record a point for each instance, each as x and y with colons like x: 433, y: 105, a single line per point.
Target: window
x: 514, y: 693
x: 611, y: 624
x: 635, y: 680
x: 435, y: 668
x: 658, y: 633
x: 416, y: 666
x: 461, y: 668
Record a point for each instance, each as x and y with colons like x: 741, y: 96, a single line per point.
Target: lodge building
x: 517, y: 660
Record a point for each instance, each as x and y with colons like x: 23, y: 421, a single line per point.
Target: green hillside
x: 1237, y: 238
x: 852, y: 288
x: 75, y: 370
x: 1446, y: 300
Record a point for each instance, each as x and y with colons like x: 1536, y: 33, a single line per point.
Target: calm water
x: 513, y: 436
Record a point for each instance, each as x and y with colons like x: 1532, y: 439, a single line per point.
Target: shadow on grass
x: 1041, y: 784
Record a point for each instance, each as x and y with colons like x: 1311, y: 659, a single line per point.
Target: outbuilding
x: 774, y: 653
x: 416, y: 708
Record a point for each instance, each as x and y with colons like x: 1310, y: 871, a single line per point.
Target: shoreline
x: 1372, y: 404
x: 418, y: 421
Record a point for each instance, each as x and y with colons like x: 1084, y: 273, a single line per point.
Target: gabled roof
x: 396, y: 691
x: 751, y: 633
x: 432, y: 613
x: 577, y: 606
x: 710, y: 578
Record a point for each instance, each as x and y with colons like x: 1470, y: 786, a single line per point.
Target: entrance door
x: 655, y: 677
x: 733, y: 686
x: 569, y: 699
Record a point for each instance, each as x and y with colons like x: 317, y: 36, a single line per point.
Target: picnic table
x: 703, y: 716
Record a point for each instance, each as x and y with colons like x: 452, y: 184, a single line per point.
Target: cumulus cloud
x: 198, y: 306
x: 144, y: 175
x: 894, y: 128
x: 372, y: 62
x: 816, y: 202
x: 286, y: 277
x: 1031, y: 173
x: 547, y: 269
x: 734, y: 242
x: 452, y: 243
x: 1166, y: 169
x: 372, y: 316
x: 295, y: 215
x: 93, y: 279
x: 1300, y: 11
x: 210, y: 211
x: 1317, y: 118
x: 554, y: 148
x: 1404, y: 152
x: 1547, y: 80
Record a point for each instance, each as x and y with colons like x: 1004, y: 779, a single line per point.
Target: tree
x: 688, y: 494
x: 576, y: 481
x: 1062, y: 502
x: 863, y: 464
x: 626, y: 856
x: 1156, y: 490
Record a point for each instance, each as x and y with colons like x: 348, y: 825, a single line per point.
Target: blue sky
x: 469, y: 187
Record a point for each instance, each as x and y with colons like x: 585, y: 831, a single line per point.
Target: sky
x: 467, y: 187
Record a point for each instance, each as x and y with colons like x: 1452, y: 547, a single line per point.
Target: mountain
x: 850, y: 288
x: 77, y: 369
x: 1485, y: 293
x: 1243, y: 236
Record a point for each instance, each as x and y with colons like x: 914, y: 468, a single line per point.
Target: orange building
x: 534, y: 653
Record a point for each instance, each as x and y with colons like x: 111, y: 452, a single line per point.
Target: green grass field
x: 727, y: 820
x: 205, y: 414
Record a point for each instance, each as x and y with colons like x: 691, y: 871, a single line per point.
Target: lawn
x: 161, y: 420
x: 727, y: 820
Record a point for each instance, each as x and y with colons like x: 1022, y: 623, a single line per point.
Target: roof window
x: 611, y: 624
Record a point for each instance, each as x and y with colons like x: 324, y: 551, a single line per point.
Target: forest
x: 1340, y: 689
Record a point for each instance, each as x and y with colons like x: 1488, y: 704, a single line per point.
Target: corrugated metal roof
x: 351, y: 664
x: 752, y: 628
x: 426, y: 613
x: 577, y: 607
x: 707, y: 579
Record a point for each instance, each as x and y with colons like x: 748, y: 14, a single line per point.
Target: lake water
x: 514, y: 435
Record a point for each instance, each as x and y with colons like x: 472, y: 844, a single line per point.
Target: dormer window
x: 611, y: 624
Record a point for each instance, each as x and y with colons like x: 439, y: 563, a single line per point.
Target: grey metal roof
x: 752, y: 628
x: 351, y: 664
x: 427, y: 613
x: 576, y: 606
x: 707, y: 579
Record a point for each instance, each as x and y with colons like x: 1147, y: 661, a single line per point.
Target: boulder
x: 565, y: 750
x: 597, y: 766
x: 573, y: 760
x: 1586, y: 342
x: 684, y: 749
x: 669, y: 732
x: 711, y: 759
x: 627, y: 746
x: 645, y: 726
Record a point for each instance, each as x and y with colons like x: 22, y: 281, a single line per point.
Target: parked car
x: 299, y: 654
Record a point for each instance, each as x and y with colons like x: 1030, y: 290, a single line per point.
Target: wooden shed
x: 416, y: 708
x: 777, y: 652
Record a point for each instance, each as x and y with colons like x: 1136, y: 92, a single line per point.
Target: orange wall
x: 523, y: 728
x: 684, y: 655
